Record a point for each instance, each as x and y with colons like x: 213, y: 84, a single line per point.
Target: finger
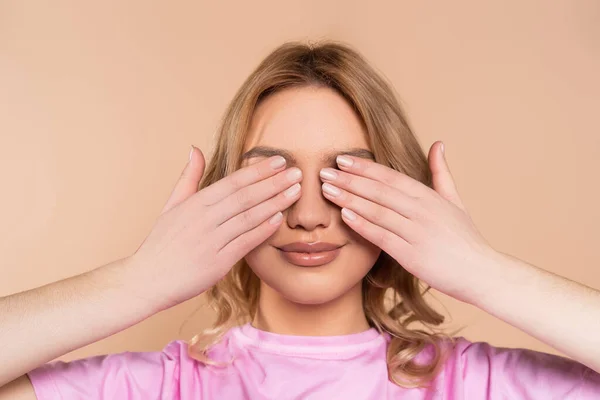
x: 375, y: 213
x: 442, y: 179
x: 254, y: 194
x: 188, y: 182
x: 375, y: 191
x: 249, y: 219
x: 241, y: 178
x: 387, y: 241
x: 381, y: 173
x: 235, y: 232
x: 243, y: 244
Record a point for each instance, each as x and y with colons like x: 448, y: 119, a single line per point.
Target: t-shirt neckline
x: 337, y: 346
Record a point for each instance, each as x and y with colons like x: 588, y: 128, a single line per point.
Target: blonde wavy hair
x: 392, y: 299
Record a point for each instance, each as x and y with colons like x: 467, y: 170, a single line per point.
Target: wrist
x: 147, y: 288
x: 493, y: 267
x: 130, y: 287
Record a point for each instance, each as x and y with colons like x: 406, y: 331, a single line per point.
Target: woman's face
x: 309, y: 123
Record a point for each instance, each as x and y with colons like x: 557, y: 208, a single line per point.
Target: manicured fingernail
x: 292, y: 190
x: 348, y: 214
x: 277, y: 162
x: 344, y: 161
x: 276, y: 218
x: 328, y: 173
x: 293, y: 174
x: 330, y: 189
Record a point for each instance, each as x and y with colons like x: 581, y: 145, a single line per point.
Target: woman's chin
x: 313, y: 298
x: 307, y: 292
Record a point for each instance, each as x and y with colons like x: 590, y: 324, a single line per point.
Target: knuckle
x: 278, y: 181
x: 235, y: 181
x: 243, y: 198
x: 243, y: 243
x: 379, y: 215
x: 364, y: 168
x: 390, y: 180
x: 383, y: 239
x: 349, y: 199
x: 247, y: 218
x: 419, y: 213
x: 239, y: 178
x: 203, y: 199
x: 257, y: 172
x: 236, y: 178
x: 346, y: 179
x: 380, y: 193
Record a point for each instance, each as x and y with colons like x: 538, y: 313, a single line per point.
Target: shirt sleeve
x: 128, y: 375
x: 489, y: 372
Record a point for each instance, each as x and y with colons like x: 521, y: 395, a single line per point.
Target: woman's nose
x: 311, y: 209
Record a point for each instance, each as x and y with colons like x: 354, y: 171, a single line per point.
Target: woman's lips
x: 310, y: 259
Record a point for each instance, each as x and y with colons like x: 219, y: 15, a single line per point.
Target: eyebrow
x: 328, y: 158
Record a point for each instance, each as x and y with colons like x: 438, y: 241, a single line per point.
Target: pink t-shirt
x: 274, y: 366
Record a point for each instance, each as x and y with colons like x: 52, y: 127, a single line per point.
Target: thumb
x: 189, y: 180
x: 443, y: 182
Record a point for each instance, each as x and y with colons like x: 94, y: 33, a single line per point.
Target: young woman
x: 315, y: 283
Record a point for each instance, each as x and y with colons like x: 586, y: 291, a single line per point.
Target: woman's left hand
x: 428, y: 231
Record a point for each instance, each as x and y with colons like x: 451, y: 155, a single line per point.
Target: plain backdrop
x: 100, y: 101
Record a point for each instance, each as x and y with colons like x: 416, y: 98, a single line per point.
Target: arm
x: 429, y: 232
x: 189, y: 248
x: 41, y: 324
x: 561, y: 313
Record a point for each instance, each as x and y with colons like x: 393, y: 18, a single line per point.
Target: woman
x: 314, y: 285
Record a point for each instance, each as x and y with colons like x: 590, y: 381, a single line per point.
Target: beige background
x: 100, y: 101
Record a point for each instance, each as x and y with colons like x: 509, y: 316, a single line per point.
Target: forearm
x: 41, y: 324
x: 561, y: 313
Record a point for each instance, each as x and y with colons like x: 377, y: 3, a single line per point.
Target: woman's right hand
x: 200, y: 235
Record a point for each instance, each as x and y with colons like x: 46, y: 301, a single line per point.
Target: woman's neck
x: 340, y: 316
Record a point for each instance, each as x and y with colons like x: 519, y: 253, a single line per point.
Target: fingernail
x: 330, y: 189
x: 292, y: 190
x: 293, y: 174
x: 277, y: 162
x: 348, y: 214
x: 276, y: 218
x: 191, y: 152
x: 344, y: 161
x: 443, y: 150
x: 327, y: 173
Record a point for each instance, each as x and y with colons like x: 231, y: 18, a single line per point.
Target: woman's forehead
x: 305, y: 120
